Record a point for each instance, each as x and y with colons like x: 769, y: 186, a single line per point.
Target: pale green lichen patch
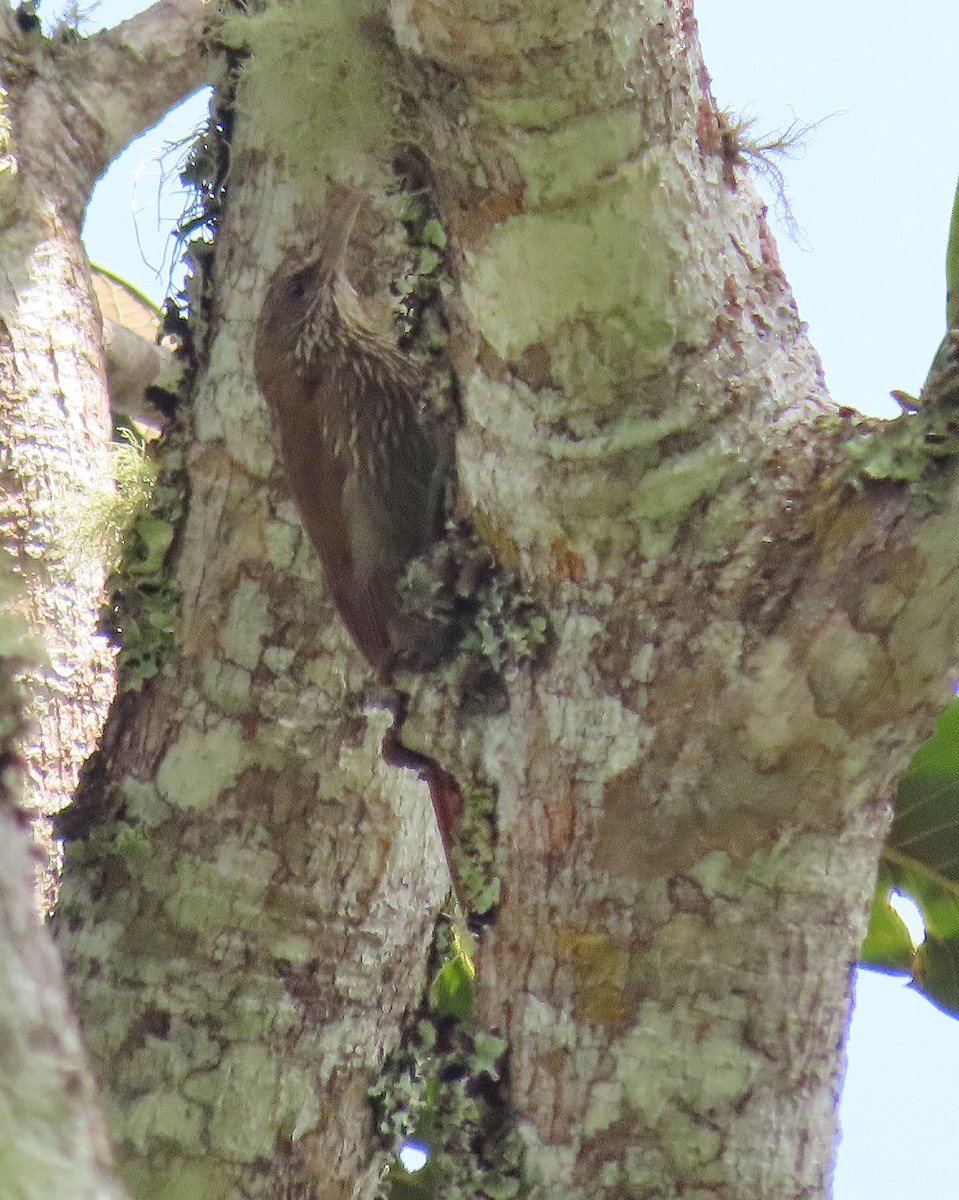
x: 97, y: 943
x: 781, y: 710
x: 164, y: 1116
x: 548, y: 1167
x: 528, y: 112
x: 226, y: 686
x: 629, y: 436
x: 177, y: 1057
x: 143, y: 803
x: 176, y: 1177
x: 279, y: 659
x: 604, y: 1108
x: 281, y: 542
x: 199, y: 767
x: 241, y: 424
x: 542, y: 1019
x: 925, y: 636
x: 247, y: 624
x: 611, y: 257
x: 294, y: 948
x: 314, y: 80
x: 132, y: 844
x: 659, y: 1061
x: 619, y: 400
x: 228, y: 891
x: 664, y: 495
x: 115, y: 1013
x: 721, y: 524
x: 255, y: 1099
x: 607, y: 733
x: 844, y: 668
x: 359, y: 762
x: 325, y: 673
x: 558, y: 166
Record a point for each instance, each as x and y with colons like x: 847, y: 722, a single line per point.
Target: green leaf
x: 122, y: 302
x: 434, y: 234
x: 888, y: 946
x: 155, y: 538
x: 925, y: 828
x: 921, y: 860
x: 452, y: 990
x: 936, y: 973
x: 952, y: 267
x: 487, y: 1049
x: 428, y: 260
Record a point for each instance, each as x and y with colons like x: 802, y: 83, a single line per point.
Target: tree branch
x: 138, y: 70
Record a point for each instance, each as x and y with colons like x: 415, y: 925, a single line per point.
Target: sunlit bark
x: 690, y: 788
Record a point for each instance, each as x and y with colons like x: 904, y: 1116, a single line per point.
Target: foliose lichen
x: 447, y: 1087
x: 492, y: 628
x: 474, y: 855
x: 143, y: 596
x: 920, y: 448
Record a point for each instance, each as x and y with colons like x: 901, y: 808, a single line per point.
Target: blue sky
x: 872, y: 193
x: 874, y: 188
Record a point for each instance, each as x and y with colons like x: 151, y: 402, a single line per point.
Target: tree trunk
x: 58, y: 127
x: 56, y: 433
x: 690, y: 787
x: 270, y: 884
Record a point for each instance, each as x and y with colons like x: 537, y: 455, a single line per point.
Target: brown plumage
x: 365, y: 468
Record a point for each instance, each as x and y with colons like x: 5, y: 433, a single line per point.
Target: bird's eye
x: 296, y: 288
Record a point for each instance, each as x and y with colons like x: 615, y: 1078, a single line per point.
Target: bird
x: 365, y: 463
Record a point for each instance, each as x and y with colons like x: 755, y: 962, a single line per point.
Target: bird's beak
x: 338, y: 226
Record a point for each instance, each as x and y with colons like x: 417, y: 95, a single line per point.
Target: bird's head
x: 296, y: 296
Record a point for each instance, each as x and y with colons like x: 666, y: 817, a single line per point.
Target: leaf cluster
x: 143, y: 597
x: 422, y: 290
x: 457, y: 1073
x: 921, y: 861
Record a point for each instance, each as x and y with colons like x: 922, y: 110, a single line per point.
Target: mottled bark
x: 693, y: 794
x: 54, y: 437
x: 691, y: 791
x: 270, y: 885
x: 60, y: 129
x: 52, y: 1141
